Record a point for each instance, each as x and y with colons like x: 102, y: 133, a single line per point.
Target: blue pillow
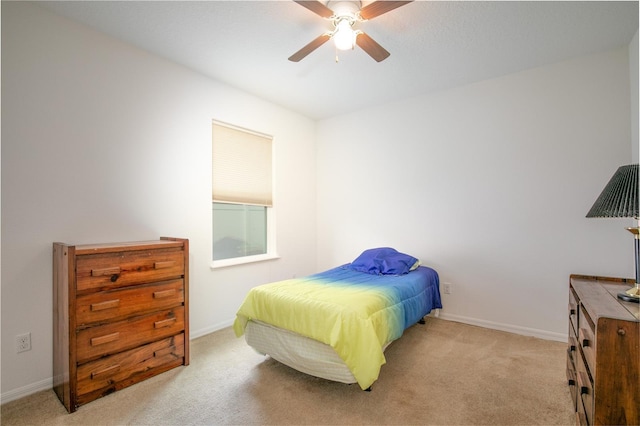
x: 383, y: 261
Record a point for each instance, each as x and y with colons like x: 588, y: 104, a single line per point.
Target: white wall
x: 104, y: 142
x: 633, y: 78
x: 489, y: 184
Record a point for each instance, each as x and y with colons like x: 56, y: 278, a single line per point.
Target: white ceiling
x: 434, y: 45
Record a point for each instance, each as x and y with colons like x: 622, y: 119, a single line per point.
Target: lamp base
x: 631, y: 295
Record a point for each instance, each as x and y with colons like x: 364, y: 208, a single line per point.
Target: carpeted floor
x: 440, y: 373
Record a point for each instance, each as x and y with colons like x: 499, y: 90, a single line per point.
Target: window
x: 239, y: 230
x: 242, y: 195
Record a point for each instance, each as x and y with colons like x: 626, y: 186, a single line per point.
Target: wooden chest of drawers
x: 120, y: 315
x: 603, y: 358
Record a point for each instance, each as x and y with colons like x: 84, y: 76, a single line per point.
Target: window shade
x: 241, y: 166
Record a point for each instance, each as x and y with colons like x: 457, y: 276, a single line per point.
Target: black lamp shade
x: 620, y: 197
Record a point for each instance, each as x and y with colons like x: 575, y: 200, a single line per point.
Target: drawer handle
x: 572, y: 344
x: 584, y: 341
x: 165, y: 264
x: 105, y: 271
x: 109, y: 304
x: 105, y: 339
x: 572, y: 378
x: 105, y: 371
x: 164, y: 323
x: 165, y: 351
x: 582, y: 379
x: 164, y: 293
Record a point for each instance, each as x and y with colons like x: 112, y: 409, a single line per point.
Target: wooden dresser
x: 603, y: 358
x: 120, y: 315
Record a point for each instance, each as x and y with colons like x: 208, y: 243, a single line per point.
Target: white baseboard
x: 194, y: 334
x: 14, y: 394
x: 525, y: 331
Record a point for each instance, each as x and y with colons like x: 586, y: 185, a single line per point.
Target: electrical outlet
x: 446, y: 288
x: 23, y: 342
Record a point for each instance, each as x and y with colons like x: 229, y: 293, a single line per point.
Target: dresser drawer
x: 112, y: 270
x: 107, y: 305
x: 573, y: 311
x: 107, y: 371
x: 581, y: 418
x: 572, y: 379
x: 572, y: 349
x: 107, y: 339
x: 585, y: 391
x: 587, y: 341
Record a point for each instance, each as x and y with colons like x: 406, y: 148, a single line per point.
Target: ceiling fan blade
x: 317, y: 42
x: 316, y: 7
x: 372, y: 48
x: 379, y: 7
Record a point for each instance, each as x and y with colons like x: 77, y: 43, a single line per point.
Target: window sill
x: 216, y: 264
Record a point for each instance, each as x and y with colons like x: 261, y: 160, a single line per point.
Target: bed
x: 337, y: 323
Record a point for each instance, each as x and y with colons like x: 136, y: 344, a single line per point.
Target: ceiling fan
x: 343, y: 15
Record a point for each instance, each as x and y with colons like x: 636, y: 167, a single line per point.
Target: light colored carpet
x: 440, y: 373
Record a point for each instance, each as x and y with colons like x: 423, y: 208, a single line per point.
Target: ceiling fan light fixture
x: 343, y: 15
x: 344, y: 37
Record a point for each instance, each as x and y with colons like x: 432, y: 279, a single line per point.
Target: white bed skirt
x: 299, y: 352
